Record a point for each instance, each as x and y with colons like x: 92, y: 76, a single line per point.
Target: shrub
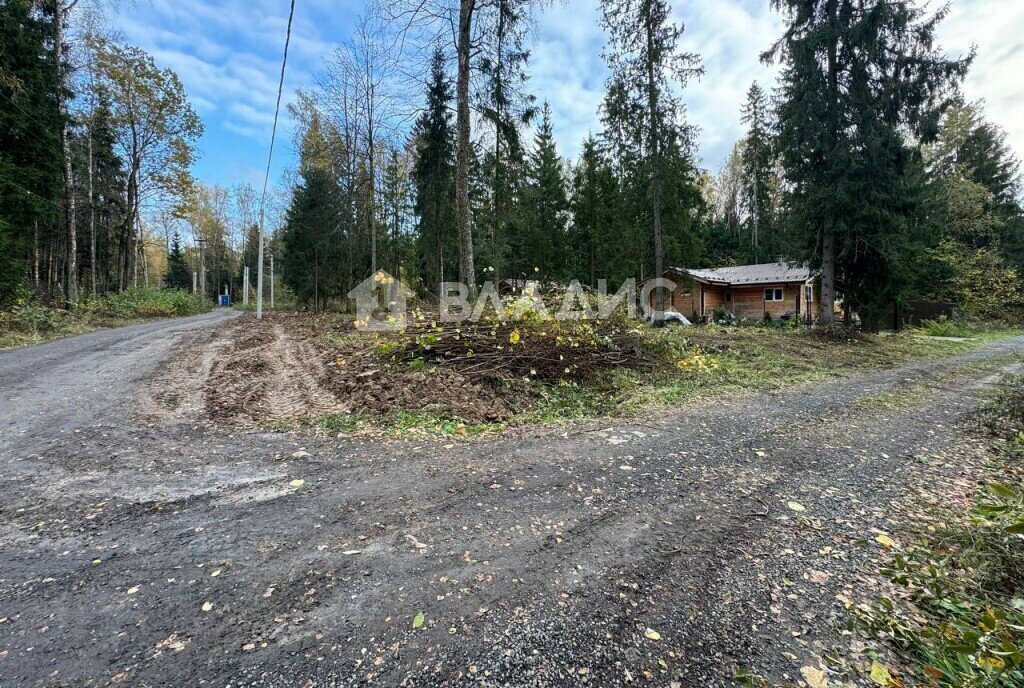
x: 944, y: 327
x: 153, y: 303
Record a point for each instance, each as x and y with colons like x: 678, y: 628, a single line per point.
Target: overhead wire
x: 270, y: 157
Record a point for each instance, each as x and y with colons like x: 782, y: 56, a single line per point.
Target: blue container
x: 225, y: 300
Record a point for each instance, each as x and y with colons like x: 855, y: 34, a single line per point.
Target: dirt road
x: 143, y: 546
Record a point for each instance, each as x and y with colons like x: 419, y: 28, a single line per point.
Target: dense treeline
x: 97, y: 143
x: 865, y: 160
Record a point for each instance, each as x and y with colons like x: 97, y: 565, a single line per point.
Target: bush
x: 153, y: 303
x: 34, y: 319
x: 944, y: 327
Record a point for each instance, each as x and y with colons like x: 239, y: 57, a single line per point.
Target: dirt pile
x: 282, y: 368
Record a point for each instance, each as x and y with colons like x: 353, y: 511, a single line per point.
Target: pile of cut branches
x: 548, y: 350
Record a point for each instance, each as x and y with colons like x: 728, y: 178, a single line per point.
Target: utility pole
x: 245, y: 286
x: 202, y: 269
x: 271, y: 281
x: 259, y: 274
x: 195, y: 277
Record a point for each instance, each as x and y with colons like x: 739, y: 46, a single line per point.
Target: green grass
x: 401, y: 424
x: 30, y: 323
x: 697, y: 363
x: 733, y: 361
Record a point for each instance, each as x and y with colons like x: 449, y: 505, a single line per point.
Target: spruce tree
x: 433, y: 177
x: 178, y: 274
x: 30, y: 145
x: 313, y: 253
x: 545, y: 203
x: 757, y: 165
x: 859, y: 76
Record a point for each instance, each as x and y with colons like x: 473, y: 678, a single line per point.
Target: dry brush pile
x: 298, y: 367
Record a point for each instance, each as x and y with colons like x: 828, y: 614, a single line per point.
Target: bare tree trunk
x: 69, y: 179
x: 92, y: 214
x: 652, y: 106
x: 35, y: 256
x: 826, y: 311
x: 467, y: 271
x: 373, y: 174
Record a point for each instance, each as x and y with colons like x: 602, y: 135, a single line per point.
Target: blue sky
x: 227, y: 53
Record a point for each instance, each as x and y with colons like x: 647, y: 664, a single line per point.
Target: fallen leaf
x: 885, y: 541
x: 796, y: 506
x: 298, y: 482
x: 418, y: 620
x: 815, y: 677
x: 207, y: 606
x: 132, y: 590
x: 653, y: 634
x: 880, y: 673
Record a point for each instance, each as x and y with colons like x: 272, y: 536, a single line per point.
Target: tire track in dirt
x: 267, y: 372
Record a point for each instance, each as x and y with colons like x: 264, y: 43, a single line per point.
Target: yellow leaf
x: 298, y: 482
x: 815, y: 677
x: 653, y: 634
x: 880, y: 673
x: 132, y: 590
x: 514, y: 337
x: 990, y: 663
x: 796, y: 506
x: 207, y: 606
x: 885, y: 541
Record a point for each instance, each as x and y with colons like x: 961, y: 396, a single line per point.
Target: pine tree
x: 858, y: 76
x: 643, y: 112
x: 433, y: 176
x: 545, y: 202
x: 178, y: 274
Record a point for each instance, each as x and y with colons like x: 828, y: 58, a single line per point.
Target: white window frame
x: 771, y: 293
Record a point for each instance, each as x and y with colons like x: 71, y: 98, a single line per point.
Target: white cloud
x: 228, y: 53
x: 994, y: 26
x: 730, y: 36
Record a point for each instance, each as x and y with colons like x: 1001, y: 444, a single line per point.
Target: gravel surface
x: 146, y: 548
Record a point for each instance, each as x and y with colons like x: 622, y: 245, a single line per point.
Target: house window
x: 728, y: 296
x: 773, y: 294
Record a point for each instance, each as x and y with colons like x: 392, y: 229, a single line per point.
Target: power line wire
x: 270, y: 157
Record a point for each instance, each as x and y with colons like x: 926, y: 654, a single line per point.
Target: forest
x: 423, y: 151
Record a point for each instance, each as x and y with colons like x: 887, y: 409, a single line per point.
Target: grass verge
x: 29, y: 323
x: 955, y: 617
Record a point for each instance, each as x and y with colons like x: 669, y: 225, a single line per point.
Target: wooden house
x: 747, y: 291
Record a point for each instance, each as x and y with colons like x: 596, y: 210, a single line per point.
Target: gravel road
x: 143, y: 548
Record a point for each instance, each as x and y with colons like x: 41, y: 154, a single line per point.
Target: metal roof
x: 763, y: 273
